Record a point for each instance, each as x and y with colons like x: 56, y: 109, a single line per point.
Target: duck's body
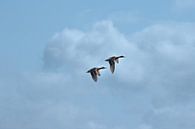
x: 112, y: 61
x: 95, y: 72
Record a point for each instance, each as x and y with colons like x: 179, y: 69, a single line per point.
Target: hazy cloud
x: 159, y: 63
x: 153, y: 87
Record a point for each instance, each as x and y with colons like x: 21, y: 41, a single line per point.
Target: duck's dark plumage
x: 112, y: 61
x: 95, y: 72
x: 112, y: 65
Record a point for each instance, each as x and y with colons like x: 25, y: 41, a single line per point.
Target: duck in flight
x: 112, y: 61
x: 95, y: 72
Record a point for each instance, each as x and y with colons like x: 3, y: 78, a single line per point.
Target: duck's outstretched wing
x: 112, y: 66
x: 117, y: 58
x: 94, y: 76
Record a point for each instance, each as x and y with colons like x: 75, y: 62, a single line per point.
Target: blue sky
x: 47, y: 46
x: 31, y: 23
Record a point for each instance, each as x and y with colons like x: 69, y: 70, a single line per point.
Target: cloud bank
x: 159, y: 69
x: 152, y: 88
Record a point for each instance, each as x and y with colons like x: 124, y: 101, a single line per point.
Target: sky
x: 46, y: 47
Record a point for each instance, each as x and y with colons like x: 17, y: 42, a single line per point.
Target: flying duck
x: 95, y: 72
x: 112, y: 61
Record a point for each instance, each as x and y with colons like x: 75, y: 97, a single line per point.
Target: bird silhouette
x: 95, y: 72
x: 112, y: 61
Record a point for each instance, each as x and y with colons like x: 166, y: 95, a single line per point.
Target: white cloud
x: 175, y: 116
x: 76, y: 49
x: 153, y: 87
x: 154, y: 50
x: 159, y: 64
